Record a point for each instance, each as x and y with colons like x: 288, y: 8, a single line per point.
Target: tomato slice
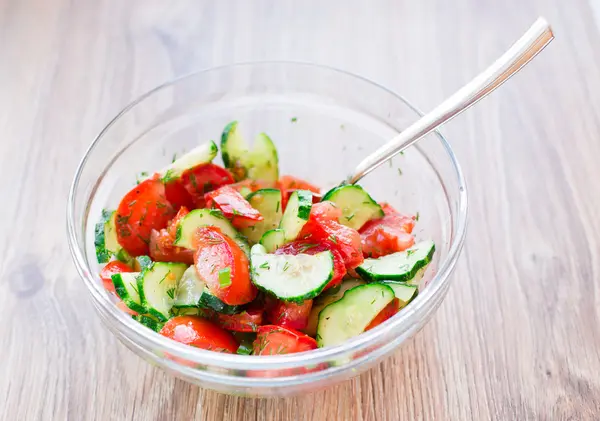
x: 223, y: 266
x: 277, y: 340
x: 234, y: 207
x: 141, y: 210
x: 199, y: 332
x: 387, y: 312
x: 204, y: 178
x: 110, y: 269
x: 289, y: 182
x: 246, y: 321
x: 290, y: 315
x: 161, y: 243
x: 178, y: 195
x: 388, y: 235
x: 326, y: 210
x: 308, y: 247
x: 344, y: 239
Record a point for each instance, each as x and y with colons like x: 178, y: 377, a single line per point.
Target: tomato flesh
x: 234, y: 207
x: 388, y: 235
x: 223, y: 265
x: 387, y: 312
x: 202, y: 179
x: 199, y: 332
x: 289, y: 182
x: 162, y: 248
x: 110, y: 269
x: 309, y: 247
x: 326, y: 210
x: 246, y: 321
x: 345, y: 240
x: 252, y: 185
x: 290, y: 315
x: 178, y: 195
x: 277, y: 340
x: 143, y: 209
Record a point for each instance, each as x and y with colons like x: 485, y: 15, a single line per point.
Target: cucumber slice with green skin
x: 296, y: 214
x: 268, y: 203
x: 402, y: 266
x: 199, y: 218
x: 202, y: 154
x: 350, y: 316
x: 404, y: 293
x: 292, y: 278
x: 272, y: 240
x: 260, y: 163
x: 208, y: 300
x: 188, y: 311
x: 324, y: 300
x: 105, y: 240
x: 125, y: 257
x: 126, y: 286
x: 189, y: 289
x: 157, y: 285
x: 149, y: 322
x: 356, y: 205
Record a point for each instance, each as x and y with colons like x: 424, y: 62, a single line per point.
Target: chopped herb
x: 305, y: 247
x: 169, y: 176
x: 236, y: 212
x: 161, y: 205
x: 265, y: 265
x: 208, y: 186
x: 145, y: 240
x: 409, y: 252
x: 286, y: 266
x: 349, y: 217
x: 132, y: 203
x: 278, y: 204
x: 342, y: 126
x: 294, y: 119
x: 373, y: 302
x: 318, y: 337
x: 332, y: 238
x: 417, y: 216
x: 401, y: 152
x: 171, y: 293
x: 225, y: 277
x: 164, y: 277
x: 174, y: 157
x: 399, y: 171
x: 193, y: 180
x: 367, y: 203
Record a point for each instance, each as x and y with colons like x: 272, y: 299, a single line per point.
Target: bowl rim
x: 243, y: 362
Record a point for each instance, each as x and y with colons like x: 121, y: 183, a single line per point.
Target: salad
x: 239, y: 259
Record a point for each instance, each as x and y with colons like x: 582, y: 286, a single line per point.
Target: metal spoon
x: 526, y: 48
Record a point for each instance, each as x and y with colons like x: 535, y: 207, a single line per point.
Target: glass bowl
x: 323, y: 121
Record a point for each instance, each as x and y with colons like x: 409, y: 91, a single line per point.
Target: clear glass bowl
x: 323, y: 122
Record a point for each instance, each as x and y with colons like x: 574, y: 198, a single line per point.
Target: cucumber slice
x: 156, y: 286
x: 126, y: 286
x: 351, y: 315
x: 288, y: 277
x: 125, y: 257
x: 401, y: 266
x: 105, y: 241
x: 272, y: 240
x: 140, y: 263
x: 149, y: 322
x: 260, y: 163
x: 202, y: 154
x: 296, y: 214
x: 268, y: 203
x: 210, y: 301
x: 199, y: 218
x: 189, y: 289
x: 356, y: 205
x: 324, y: 300
x: 403, y: 292
x: 188, y: 311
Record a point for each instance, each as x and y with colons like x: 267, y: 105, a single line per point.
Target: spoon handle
x: 517, y: 56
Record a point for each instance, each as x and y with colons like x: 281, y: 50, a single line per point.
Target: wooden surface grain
x: 518, y: 336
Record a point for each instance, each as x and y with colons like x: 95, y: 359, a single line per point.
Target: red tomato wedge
x: 345, y: 240
x: 277, y: 340
x: 326, y: 210
x: 308, y: 247
x: 178, y: 195
x: 223, y: 266
x: 110, y: 269
x: 246, y: 321
x: 289, y: 184
x: 290, y: 315
x: 161, y: 243
x: 234, y: 207
x: 204, y: 178
x: 387, y: 312
x: 388, y: 235
x: 199, y: 332
x: 141, y: 210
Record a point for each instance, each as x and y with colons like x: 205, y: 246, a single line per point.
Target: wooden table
x: 518, y: 336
